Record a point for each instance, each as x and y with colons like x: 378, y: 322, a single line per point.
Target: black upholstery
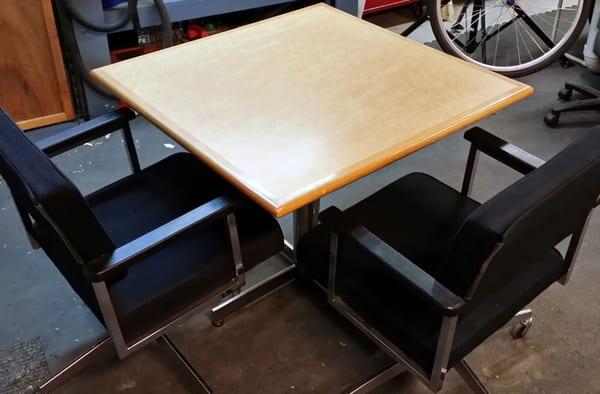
x: 42, y: 192
x: 74, y: 231
x: 556, y: 197
x: 450, y: 236
x: 192, y: 265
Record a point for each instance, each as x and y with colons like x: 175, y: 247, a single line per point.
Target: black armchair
x: 144, y: 251
x: 429, y: 273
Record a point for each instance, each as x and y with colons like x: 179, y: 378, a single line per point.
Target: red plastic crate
x: 380, y: 5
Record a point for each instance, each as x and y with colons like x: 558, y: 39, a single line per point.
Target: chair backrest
x: 53, y: 211
x: 528, y: 219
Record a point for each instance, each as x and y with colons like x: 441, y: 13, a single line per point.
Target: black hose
x: 124, y: 19
x: 165, y: 20
x: 71, y: 44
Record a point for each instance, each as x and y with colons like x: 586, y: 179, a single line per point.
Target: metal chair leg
x: 91, y: 355
x: 377, y: 380
x: 470, y: 378
x: 188, y: 366
x: 251, y: 295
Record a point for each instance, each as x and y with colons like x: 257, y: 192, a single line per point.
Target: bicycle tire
x: 448, y: 45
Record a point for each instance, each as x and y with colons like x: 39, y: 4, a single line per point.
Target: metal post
x: 442, y: 352
x: 110, y: 318
x: 333, y: 254
x: 236, y: 250
x: 134, y: 162
x: 573, y: 250
x: 305, y: 218
x: 470, y: 170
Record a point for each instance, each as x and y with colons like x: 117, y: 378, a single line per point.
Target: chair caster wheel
x: 521, y: 329
x: 217, y: 323
x: 551, y: 119
x: 565, y: 94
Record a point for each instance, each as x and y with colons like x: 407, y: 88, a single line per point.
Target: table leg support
x: 304, y: 219
x: 252, y: 294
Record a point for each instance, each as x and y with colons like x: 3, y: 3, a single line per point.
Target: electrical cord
x: 71, y: 12
x: 80, y: 67
x: 165, y: 20
x: 124, y: 18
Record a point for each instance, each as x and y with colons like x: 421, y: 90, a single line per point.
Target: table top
x: 294, y: 107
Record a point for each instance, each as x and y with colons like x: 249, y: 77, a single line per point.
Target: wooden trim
x: 126, y: 80
x: 59, y: 66
x: 44, y: 121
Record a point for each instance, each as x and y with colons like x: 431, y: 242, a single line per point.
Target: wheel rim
x: 507, y: 36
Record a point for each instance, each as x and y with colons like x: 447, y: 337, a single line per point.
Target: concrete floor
x: 291, y: 342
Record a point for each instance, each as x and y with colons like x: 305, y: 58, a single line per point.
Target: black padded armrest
x: 411, y: 276
x: 509, y: 154
x: 110, y: 264
x: 86, y: 131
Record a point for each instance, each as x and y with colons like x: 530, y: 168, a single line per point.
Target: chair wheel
x: 551, y: 119
x: 521, y: 329
x: 565, y: 94
x: 217, y: 323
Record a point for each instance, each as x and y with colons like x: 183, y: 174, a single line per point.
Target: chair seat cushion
x: 418, y: 216
x: 190, y: 268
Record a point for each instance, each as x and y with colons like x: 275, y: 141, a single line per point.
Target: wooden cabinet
x: 33, y: 83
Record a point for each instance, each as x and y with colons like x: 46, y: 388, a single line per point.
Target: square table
x: 292, y: 108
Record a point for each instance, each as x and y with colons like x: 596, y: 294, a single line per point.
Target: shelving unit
x: 182, y: 9
x: 94, y: 47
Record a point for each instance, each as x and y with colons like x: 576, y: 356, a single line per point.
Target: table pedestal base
x: 305, y: 218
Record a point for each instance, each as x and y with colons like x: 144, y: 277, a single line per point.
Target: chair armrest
x: 410, y: 275
x: 124, y: 256
x: 86, y: 131
x: 509, y: 154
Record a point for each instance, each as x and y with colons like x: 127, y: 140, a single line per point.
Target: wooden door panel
x: 33, y: 83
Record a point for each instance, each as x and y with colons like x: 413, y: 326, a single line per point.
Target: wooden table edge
x: 281, y: 207
x: 392, y: 154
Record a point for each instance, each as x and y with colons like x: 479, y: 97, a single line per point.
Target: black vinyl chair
x: 144, y: 251
x: 429, y: 273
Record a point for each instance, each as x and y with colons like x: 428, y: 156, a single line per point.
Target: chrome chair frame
x: 511, y: 156
x: 98, y: 271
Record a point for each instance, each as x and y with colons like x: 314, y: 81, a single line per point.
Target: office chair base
x: 101, y: 350
x: 91, y: 355
x: 463, y: 368
x: 590, y: 102
x: 470, y: 378
x: 378, y: 379
x: 186, y: 364
x: 521, y: 322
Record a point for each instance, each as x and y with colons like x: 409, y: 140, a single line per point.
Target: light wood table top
x: 294, y: 107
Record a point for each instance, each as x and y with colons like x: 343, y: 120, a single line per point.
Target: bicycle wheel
x: 512, y: 37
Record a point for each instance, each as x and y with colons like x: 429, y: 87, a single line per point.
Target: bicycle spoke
x: 533, y: 38
x: 523, y: 40
x: 533, y: 26
x: 497, y: 37
x: 517, y: 40
x: 479, y: 31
